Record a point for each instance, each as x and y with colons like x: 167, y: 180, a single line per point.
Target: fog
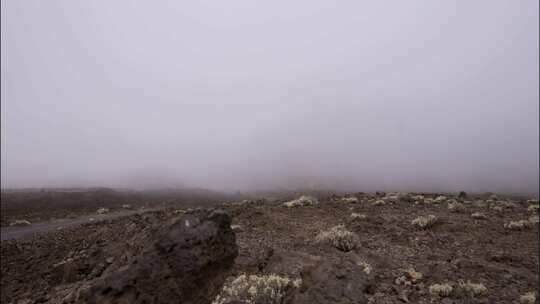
x: 245, y: 95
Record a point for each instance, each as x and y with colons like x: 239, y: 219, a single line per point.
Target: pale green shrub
x: 267, y: 289
x: 424, y: 222
x: 478, y: 215
x: 528, y: 298
x: 441, y: 290
x: 518, y: 225
x: 358, y: 216
x: 304, y: 200
x: 469, y: 289
x: 339, y: 237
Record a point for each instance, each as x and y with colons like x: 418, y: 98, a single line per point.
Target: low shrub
x: 424, y: 222
x: 441, y: 290
x: 528, y: 298
x: 339, y: 237
x: 518, y: 225
x: 304, y: 200
x: 360, y: 216
x: 267, y: 289
x: 456, y: 207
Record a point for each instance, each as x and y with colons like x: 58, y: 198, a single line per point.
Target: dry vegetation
x: 304, y: 200
x: 424, y: 222
x: 339, y: 237
x: 255, y: 289
x: 408, y: 248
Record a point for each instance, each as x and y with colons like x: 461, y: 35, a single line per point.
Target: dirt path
x: 8, y: 233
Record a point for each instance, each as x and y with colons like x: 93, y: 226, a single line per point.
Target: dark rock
x: 462, y: 194
x: 183, y: 260
x: 340, y: 281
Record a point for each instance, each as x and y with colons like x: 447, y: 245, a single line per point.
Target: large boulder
x: 184, y: 260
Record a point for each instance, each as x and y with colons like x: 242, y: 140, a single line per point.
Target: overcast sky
x: 365, y: 95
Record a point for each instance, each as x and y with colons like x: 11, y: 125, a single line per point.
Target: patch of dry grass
x: 478, y: 216
x: 20, y: 223
x: 304, y: 200
x: 378, y: 203
x: 462, y: 289
x: 102, y: 210
x: 456, y: 207
x: 424, y: 222
x: 339, y: 237
x: 349, y: 200
x: 268, y: 289
x: 441, y: 290
x: 528, y: 298
x: 471, y: 290
x: 518, y: 225
x: 366, y: 267
x: 440, y: 199
x: 358, y: 216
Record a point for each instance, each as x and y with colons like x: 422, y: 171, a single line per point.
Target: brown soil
x: 275, y: 239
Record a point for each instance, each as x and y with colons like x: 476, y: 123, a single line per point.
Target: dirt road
x: 15, y: 232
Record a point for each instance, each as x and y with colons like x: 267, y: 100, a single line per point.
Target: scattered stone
x: 127, y: 206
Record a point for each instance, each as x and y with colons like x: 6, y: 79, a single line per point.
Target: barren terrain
x: 387, y: 248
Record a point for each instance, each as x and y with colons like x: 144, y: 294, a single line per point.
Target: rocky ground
x: 359, y: 248
x: 38, y: 205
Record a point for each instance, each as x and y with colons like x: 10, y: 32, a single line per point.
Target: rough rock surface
x: 186, y: 258
x: 334, y: 282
